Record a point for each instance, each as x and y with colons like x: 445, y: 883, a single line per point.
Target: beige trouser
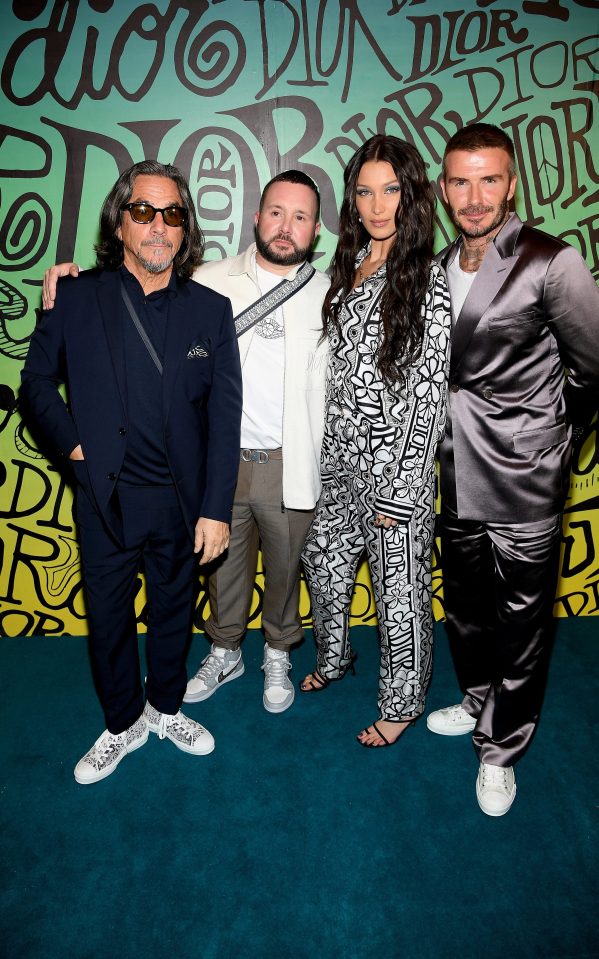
x: 260, y: 520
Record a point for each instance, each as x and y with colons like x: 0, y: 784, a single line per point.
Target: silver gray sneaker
x: 107, y: 752
x: 279, y: 692
x: 220, y: 666
x: 184, y: 732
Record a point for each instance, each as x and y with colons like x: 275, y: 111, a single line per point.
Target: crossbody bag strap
x: 139, y: 327
x: 282, y: 292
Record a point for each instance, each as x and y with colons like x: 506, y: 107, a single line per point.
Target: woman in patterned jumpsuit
x: 387, y: 316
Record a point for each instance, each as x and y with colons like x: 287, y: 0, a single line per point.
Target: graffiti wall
x: 233, y: 91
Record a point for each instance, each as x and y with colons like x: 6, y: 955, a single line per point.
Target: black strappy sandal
x: 386, y: 742
x: 316, y: 682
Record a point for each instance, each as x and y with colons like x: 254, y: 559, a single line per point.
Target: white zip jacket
x: 305, y: 367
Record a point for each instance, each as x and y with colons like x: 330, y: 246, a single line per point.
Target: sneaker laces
x: 188, y: 728
x: 454, y: 712
x: 210, y: 668
x: 106, y: 745
x: 275, y: 671
x: 162, y: 724
x: 495, y: 776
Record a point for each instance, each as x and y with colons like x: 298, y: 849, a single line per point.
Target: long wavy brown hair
x: 408, y: 260
x: 109, y: 249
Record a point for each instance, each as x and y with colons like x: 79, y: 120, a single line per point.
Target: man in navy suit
x: 151, y: 430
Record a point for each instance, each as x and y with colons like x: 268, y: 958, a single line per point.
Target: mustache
x: 282, y: 236
x: 157, y: 242
x: 475, y: 210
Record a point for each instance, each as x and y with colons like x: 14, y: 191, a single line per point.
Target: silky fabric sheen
x: 499, y: 585
x: 524, y: 365
x: 532, y: 312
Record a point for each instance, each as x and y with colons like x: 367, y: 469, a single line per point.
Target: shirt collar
x: 171, y: 289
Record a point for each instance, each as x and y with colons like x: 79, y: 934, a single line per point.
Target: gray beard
x: 156, y: 266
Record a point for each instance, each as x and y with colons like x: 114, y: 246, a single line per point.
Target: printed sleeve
x: 411, y: 458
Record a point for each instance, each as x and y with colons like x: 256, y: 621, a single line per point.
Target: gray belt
x: 260, y: 456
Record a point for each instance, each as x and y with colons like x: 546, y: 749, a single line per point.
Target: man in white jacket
x: 284, y: 362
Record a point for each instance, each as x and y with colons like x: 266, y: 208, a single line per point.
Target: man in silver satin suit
x: 524, y: 374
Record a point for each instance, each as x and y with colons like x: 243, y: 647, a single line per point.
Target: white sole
x: 109, y: 770
x: 182, y: 746
x: 460, y: 731
x: 494, y: 812
x: 278, y: 707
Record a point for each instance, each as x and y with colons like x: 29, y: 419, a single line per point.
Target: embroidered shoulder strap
x: 282, y: 292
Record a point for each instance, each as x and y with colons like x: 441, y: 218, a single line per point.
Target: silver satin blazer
x: 532, y: 313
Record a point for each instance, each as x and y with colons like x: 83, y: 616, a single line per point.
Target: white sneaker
x: 278, y: 688
x: 452, y: 721
x: 220, y: 667
x: 185, y: 733
x: 107, y: 752
x: 495, y: 788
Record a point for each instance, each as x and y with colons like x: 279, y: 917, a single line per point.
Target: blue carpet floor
x: 290, y: 840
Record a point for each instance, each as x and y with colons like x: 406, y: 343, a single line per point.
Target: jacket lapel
x: 494, y: 271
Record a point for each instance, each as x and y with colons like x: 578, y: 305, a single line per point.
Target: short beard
x: 157, y: 266
x: 297, y: 255
x: 477, y: 232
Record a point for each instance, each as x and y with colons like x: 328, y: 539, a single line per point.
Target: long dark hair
x: 408, y: 260
x: 109, y: 251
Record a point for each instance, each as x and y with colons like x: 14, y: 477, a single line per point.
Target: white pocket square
x: 196, y: 351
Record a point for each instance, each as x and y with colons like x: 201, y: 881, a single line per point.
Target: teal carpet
x: 290, y: 840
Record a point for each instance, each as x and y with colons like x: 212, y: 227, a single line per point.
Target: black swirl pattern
x: 379, y: 456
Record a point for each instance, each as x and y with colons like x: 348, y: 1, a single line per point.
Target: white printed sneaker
x: 220, y: 667
x: 278, y: 688
x: 107, y: 752
x: 495, y: 788
x: 453, y: 721
x: 185, y: 733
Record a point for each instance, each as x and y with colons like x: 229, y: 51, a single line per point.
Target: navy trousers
x: 157, y: 542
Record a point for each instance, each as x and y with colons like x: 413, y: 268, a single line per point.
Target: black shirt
x: 145, y: 458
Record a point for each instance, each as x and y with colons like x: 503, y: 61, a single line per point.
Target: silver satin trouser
x: 499, y: 587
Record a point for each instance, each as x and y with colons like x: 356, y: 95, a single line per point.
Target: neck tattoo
x: 471, y: 257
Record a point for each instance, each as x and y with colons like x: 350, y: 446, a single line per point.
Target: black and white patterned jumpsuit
x: 378, y: 456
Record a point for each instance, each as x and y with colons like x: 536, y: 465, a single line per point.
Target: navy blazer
x: 80, y: 343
